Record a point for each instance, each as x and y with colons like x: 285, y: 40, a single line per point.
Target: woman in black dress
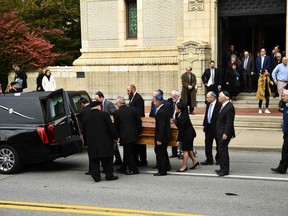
x: 186, y: 135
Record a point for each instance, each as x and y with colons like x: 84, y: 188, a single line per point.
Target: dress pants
x: 107, y: 164
x: 128, y: 158
x: 283, y: 165
x: 141, y: 152
x: 162, y: 159
x: 209, y: 137
x: 174, y: 150
x: 248, y: 82
x: 224, y: 155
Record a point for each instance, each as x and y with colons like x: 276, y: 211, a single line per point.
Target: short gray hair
x: 278, y: 54
x: 175, y: 92
x: 120, y: 99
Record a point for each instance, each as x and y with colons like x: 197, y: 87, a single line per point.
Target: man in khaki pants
x: 280, y: 77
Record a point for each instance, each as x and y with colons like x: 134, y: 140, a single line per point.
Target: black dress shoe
x: 112, y: 178
x: 217, y: 163
x: 142, y: 164
x: 218, y: 170
x: 179, y: 170
x: 278, y: 171
x: 206, y: 163
x: 160, y: 174
x: 172, y: 156
x: 221, y: 173
x: 96, y: 179
x: 117, y: 163
x: 154, y: 167
x: 193, y: 167
x: 130, y: 172
x: 88, y: 173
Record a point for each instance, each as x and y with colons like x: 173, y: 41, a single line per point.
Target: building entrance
x: 250, y: 28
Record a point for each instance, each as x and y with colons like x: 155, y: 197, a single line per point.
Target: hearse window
x: 56, y: 106
x: 76, y: 99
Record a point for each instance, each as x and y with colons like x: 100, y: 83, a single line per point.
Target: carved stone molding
x: 251, y: 7
x: 195, y: 5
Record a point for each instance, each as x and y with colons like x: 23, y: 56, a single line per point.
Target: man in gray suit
x: 248, y: 72
x: 108, y: 106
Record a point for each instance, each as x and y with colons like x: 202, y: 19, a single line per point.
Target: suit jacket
x: 128, y: 124
x: 167, y: 105
x: 225, y: 122
x: 186, y: 131
x: 100, y: 133
x: 83, y: 113
x: 138, y: 103
x: 214, y: 117
x: 250, y: 66
x: 108, y: 107
x: 39, y: 82
x: 22, y: 76
x: 217, y: 77
x: 162, y: 126
x: 266, y: 64
x: 172, y: 107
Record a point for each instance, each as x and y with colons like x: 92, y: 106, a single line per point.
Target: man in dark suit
x: 212, y: 79
x: 128, y: 124
x: 247, y: 65
x: 225, y: 131
x: 262, y: 62
x: 109, y: 107
x: 209, y: 127
x: 283, y: 165
x: 86, y: 109
x: 100, y: 135
x: 136, y: 101
x: 175, y: 98
x: 39, y: 78
x: 163, y: 136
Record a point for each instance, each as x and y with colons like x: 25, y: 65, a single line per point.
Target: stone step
x: 248, y: 122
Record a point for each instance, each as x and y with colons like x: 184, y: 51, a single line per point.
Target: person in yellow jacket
x: 264, y: 90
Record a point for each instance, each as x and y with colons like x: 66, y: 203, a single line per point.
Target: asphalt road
x: 251, y: 189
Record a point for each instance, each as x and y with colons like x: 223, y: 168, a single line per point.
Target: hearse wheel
x: 9, y: 160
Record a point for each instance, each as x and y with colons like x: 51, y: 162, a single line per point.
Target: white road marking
x: 228, y: 176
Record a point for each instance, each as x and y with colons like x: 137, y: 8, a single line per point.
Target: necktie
x: 210, y: 113
x: 245, y: 63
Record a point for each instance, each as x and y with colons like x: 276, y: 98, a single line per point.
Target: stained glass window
x: 131, y: 18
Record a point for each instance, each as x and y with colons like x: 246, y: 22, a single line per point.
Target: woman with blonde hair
x: 264, y: 90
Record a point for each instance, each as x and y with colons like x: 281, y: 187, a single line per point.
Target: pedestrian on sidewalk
x: 280, y: 78
x: 264, y: 90
x: 283, y: 165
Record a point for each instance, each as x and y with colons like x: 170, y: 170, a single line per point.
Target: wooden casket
x: 148, y: 132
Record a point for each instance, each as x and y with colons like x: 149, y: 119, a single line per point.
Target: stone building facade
x: 149, y: 43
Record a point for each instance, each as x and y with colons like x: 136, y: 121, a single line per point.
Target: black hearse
x: 37, y: 127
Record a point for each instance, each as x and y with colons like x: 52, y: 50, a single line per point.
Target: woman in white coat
x: 48, y: 81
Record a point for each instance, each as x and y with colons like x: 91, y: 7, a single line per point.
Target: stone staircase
x: 244, y: 100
